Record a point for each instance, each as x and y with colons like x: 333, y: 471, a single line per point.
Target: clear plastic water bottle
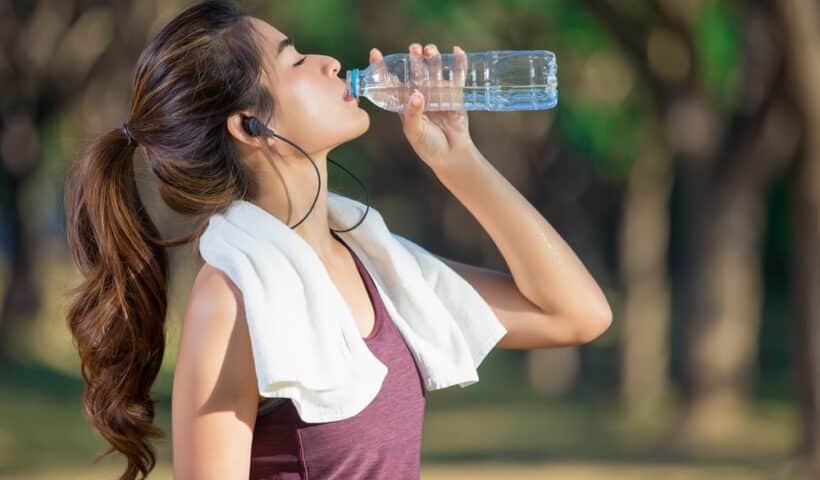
x: 497, y: 80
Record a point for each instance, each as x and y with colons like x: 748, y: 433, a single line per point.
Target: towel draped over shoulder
x: 306, y: 345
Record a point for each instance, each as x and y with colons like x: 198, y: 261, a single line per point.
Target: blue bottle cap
x: 354, y: 82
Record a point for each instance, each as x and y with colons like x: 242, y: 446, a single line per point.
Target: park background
x: 682, y: 164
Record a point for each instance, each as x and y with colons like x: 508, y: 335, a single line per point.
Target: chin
x: 367, y: 121
x: 355, y: 132
x: 356, y: 126
x: 363, y: 125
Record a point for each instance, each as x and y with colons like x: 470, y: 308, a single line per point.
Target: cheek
x: 304, y: 103
x: 309, y: 105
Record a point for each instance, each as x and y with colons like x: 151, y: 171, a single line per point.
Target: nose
x: 335, y: 66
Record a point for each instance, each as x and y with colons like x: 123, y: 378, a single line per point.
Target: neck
x: 287, y: 189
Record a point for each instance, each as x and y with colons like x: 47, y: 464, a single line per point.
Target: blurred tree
x: 725, y: 151
x: 67, y: 72
x: 49, y: 48
x: 802, y: 45
x: 643, y: 249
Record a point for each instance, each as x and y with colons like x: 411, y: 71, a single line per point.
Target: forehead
x: 269, y: 38
x: 270, y: 35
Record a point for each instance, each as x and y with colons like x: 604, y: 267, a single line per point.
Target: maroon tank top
x: 381, y: 441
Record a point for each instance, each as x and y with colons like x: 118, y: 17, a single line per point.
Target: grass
x: 491, y: 428
x: 487, y: 471
x: 496, y: 428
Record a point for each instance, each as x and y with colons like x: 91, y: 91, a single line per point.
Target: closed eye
x: 302, y: 60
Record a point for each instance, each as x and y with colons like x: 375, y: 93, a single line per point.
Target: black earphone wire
x: 254, y: 127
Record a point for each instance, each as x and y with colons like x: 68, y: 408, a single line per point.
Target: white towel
x: 306, y: 345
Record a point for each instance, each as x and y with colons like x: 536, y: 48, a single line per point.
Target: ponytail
x: 117, y: 314
x: 202, y: 66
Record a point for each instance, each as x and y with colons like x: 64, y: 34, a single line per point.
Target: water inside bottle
x: 505, y: 97
x: 495, y: 81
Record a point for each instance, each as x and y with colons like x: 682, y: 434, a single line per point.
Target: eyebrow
x: 283, y: 44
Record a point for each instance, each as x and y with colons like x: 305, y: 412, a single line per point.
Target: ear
x: 237, y: 131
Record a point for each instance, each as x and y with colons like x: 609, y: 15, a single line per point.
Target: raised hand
x: 434, y: 135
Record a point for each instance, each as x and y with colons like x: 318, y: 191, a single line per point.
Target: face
x: 308, y: 93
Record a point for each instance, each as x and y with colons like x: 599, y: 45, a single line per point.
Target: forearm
x: 543, y: 266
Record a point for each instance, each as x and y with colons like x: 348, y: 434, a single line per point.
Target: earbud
x: 255, y: 128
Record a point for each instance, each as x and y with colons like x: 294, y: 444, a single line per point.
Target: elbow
x: 594, y: 324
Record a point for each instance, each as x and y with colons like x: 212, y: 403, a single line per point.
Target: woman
x: 196, y: 86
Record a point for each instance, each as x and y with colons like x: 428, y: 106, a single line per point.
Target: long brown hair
x: 204, y: 65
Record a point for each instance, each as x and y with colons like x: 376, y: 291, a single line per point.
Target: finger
x: 459, y: 66
x: 459, y: 75
x: 380, y: 68
x: 375, y: 55
x: 416, y: 66
x: 433, y: 59
x: 384, y: 72
x: 382, y: 75
x: 411, y: 117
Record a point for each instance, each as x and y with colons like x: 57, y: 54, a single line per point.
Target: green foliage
x: 324, y: 22
x: 576, y: 31
x: 607, y: 138
x: 604, y: 134
x: 431, y: 10
x: 717, y: 41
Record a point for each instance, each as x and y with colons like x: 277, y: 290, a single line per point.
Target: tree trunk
x: 800, y: 21
x: 21, y: 298
x: 720, y: 284
x: 644, y: 330
x: 553, y: 371
x: 724, y: 310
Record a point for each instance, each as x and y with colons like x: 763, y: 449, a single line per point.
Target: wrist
x: 458, y: 160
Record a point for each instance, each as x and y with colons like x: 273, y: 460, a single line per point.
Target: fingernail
x: 415, y: 98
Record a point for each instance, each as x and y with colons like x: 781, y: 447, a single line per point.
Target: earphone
x: 255, y: 128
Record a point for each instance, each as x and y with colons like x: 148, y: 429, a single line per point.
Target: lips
x: 347, y: 96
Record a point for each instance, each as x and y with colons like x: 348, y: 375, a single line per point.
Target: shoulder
x: 214, y: 396
x: 213, y: 292
x: 214, y: 340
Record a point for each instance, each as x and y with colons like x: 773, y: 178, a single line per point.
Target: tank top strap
x: 380, y: 311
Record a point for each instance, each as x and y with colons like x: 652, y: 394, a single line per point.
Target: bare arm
x: 550, y: 299
x: 528, y: 327
x: 215, y: 399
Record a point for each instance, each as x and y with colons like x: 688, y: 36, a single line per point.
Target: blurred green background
x: 682, y: 164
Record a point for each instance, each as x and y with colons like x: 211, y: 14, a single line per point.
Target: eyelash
x: 300, y: 61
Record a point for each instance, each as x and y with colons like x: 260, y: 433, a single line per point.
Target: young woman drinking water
x: 236, y: 124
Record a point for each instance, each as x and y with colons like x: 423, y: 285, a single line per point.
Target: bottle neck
x: 352, y: 80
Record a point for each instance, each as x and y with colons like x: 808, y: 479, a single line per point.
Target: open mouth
x: 348, y: 96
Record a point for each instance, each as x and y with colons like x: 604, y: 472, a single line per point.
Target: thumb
x: 412, y: 116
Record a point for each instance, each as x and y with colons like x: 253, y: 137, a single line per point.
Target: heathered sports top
x: 383, y: 441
